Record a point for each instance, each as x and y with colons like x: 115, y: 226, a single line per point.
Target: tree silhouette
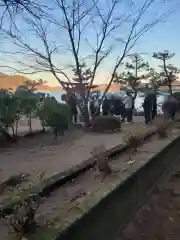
x: 86, y: 75
x: 155, y: 79
x: 33, y: 84
x: 133, y: 75
x: 169, y: 72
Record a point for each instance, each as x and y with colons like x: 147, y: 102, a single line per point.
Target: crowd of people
x: 124, y: 108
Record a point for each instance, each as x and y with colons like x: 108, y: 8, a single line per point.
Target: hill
x: 12, y: 82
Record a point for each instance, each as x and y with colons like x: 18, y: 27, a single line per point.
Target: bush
x: 161, y: 127
x: 133, y: 141
x: 106, y: 123
x: 27, y: 103
x: 176, y: 95
x: 8, y: 112
x: 99, y: 153
x: 22, y: 221
x: 54, y: 115
x: 162, y: 133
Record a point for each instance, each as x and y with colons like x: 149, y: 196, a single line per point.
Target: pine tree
x: 169, y: 72
x: 134, y: 73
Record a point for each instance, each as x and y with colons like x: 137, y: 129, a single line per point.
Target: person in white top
x: 128, y: 102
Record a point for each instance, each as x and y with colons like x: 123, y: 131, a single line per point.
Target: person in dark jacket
x: 92, y: 107
x: 128, y: 102
x: 170, y: 107
x: 73, y: 107
x: 118, y: 108
x: 154, y: 104
x: 147, y: 105
x: 106, y: 106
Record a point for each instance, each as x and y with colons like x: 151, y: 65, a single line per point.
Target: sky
x: 163, y: 36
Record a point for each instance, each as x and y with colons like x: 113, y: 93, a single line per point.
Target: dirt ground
x: 69, y: 202
x: 159, y: 218
x: 43, y: 154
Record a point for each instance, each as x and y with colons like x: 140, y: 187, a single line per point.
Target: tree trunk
x: 55, y: 132
x: 5, y: 133
x: 13, y: 132
x: 170, y: 86
x: 86, y: 113
x: 168, y: 77
x: 134, y: 98
x: 16, y: 126
x: 30, y: 125
x: 43, y: 128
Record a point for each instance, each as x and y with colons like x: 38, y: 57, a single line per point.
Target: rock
x: 175, y: 191
x: 176, y: 174
x: 24, y: 238
x: 177, y: 203
x: 77, y: 194
x: 99, y: 153
x: 129, y: 230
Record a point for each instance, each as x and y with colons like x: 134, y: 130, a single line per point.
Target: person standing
x: 97, y: 107
x: 170, y: 107
x: 154, y: 104
x: 117, y: 107
x: 106, y: 106
x: 73, y: 107
x: 128, y: 102
x: 147, y: 105
x: 92, y: 107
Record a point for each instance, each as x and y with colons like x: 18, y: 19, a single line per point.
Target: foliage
x: 14, y: 105
x: 82, y: 75
x: 166, y: 55
x: 54, y: 115
x: 27, y: 103
x: 15, y: 180
x: 8, y: 110
x: 161, y: 127
x: 33, y: 84
x: 176, y: 95
x: 155, y: 79
x: 161, y: 132
x: 22, y: 221
x: 133, y: 141
x: 168, y: 71
x: 106, y: 124
x: 99, y: 153
x: 130, y: 77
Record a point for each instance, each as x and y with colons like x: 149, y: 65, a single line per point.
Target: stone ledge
x: 114, y: 210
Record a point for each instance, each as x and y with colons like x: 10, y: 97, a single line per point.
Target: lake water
x: 138, y: 102
x: 57, y: 95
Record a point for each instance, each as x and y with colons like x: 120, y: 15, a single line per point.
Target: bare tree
x: 169, y: 73
x: 68, y: 33
x: 13, y: 7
